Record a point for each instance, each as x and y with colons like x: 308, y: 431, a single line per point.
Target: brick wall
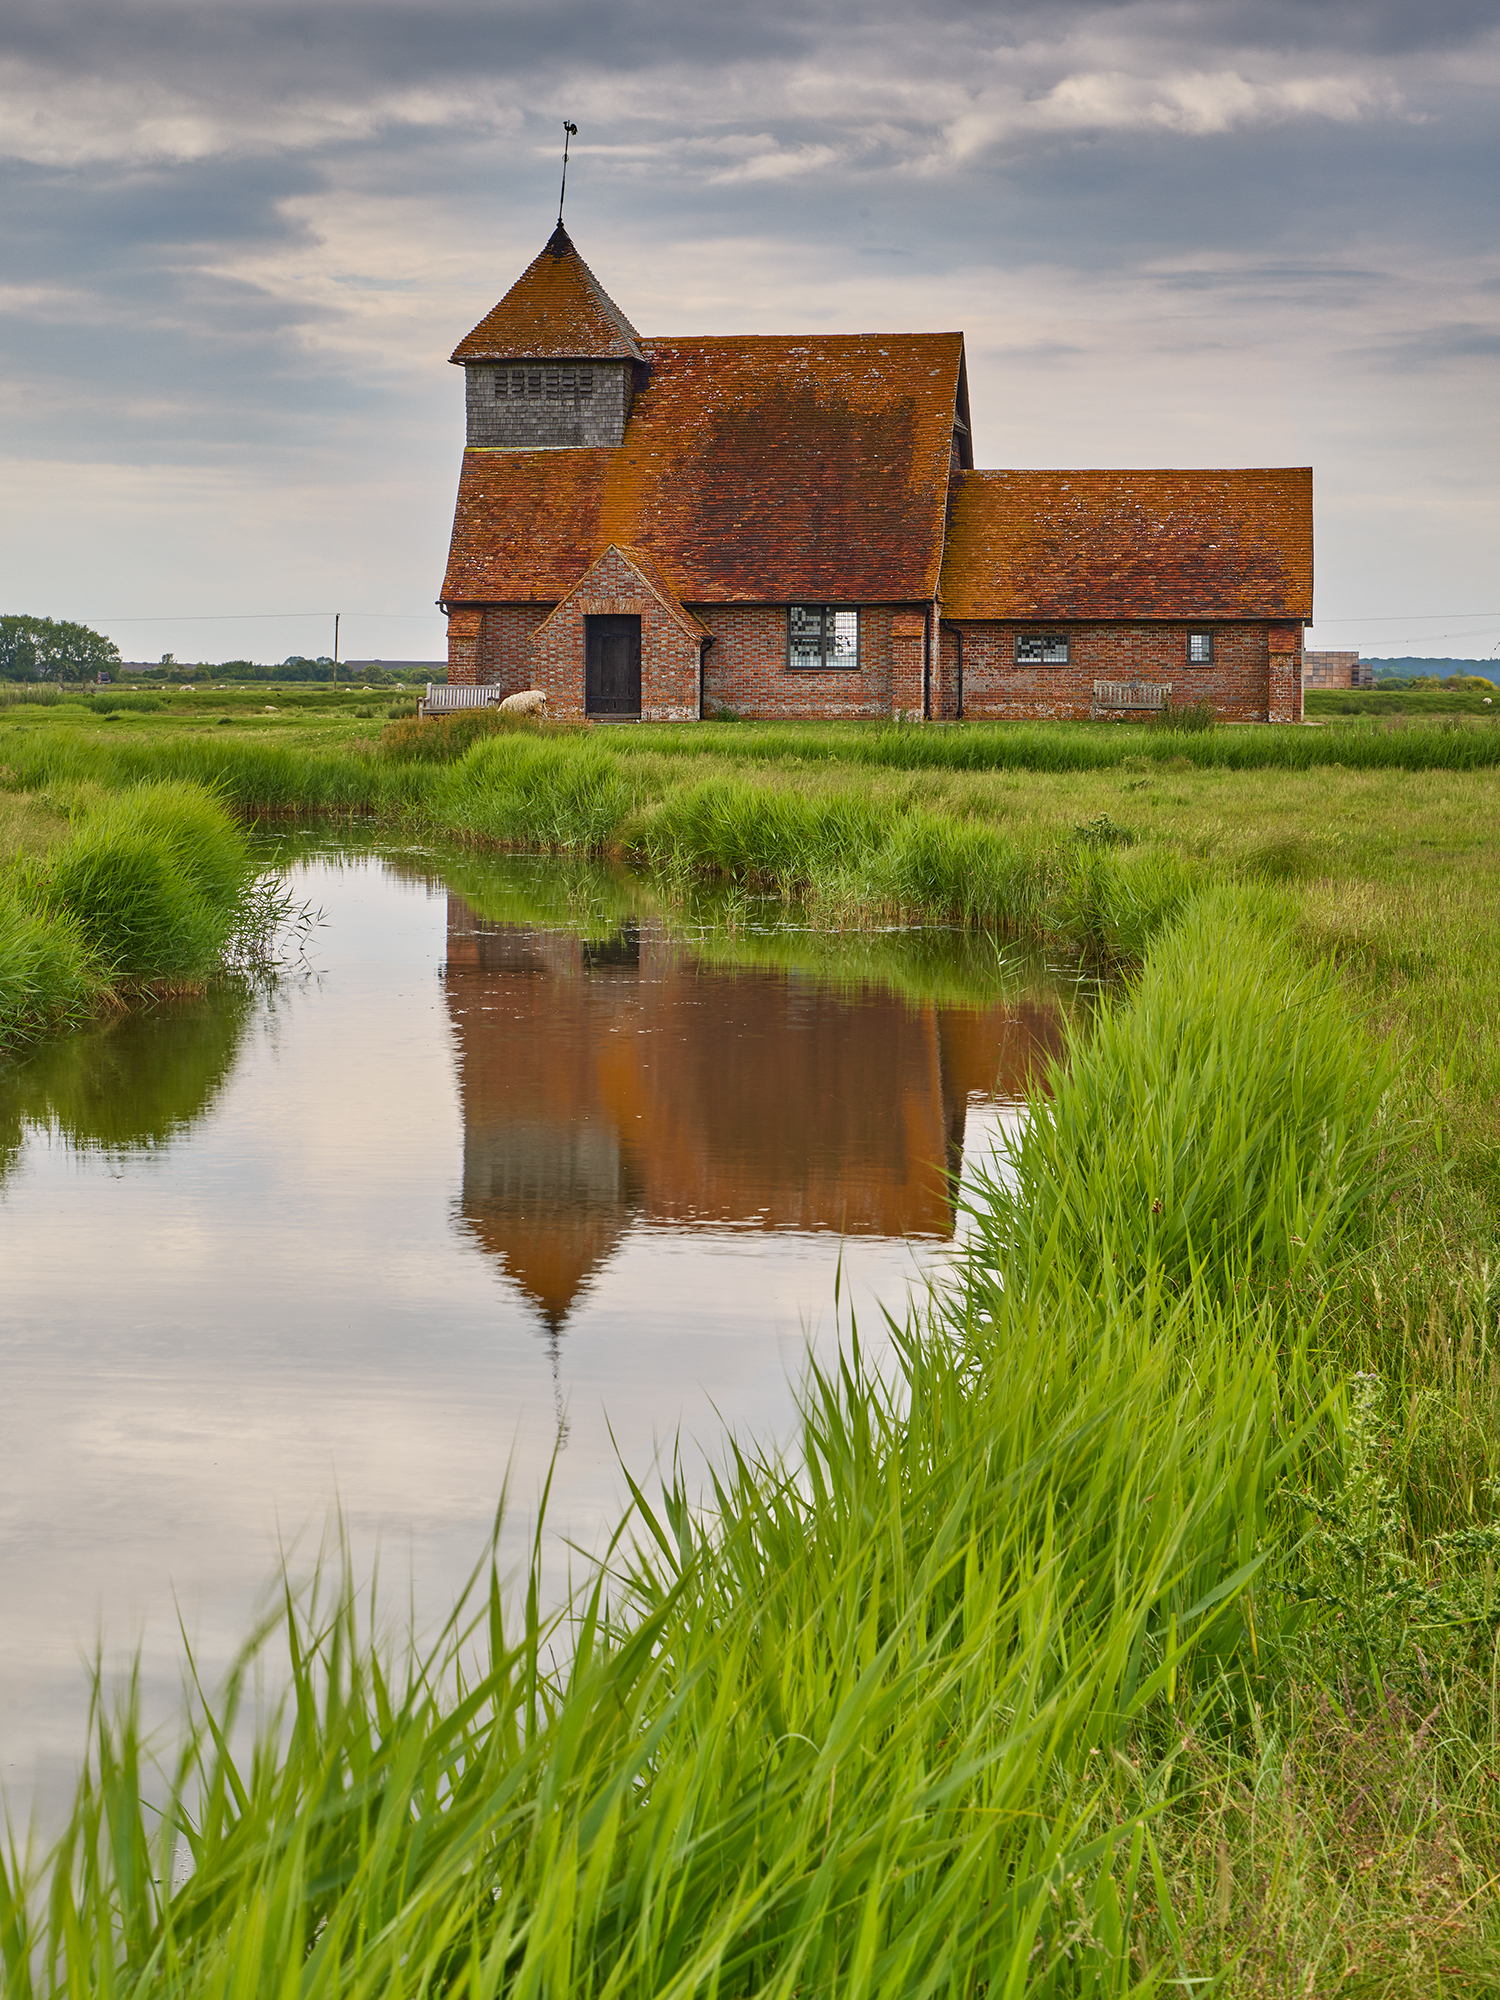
x: 1237, y: 681
x: 464, y: 629
x: 669, y: 650
x: 1284, y: 701
x: 908, y: 658
x: 506, y: 657
x: 745, y: 668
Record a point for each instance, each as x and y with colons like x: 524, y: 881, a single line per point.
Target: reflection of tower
x: 605, y: 1082
x: 543, y: 1182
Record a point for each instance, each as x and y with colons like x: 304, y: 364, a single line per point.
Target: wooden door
x: 612, y: 666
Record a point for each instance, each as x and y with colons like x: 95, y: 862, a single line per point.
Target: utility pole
x: 335, y: 648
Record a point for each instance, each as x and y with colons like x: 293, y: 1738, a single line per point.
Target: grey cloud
x: 1430, y: 346
x: 271, y: 216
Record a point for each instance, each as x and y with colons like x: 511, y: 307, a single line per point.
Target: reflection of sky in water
x: 470, y: 1174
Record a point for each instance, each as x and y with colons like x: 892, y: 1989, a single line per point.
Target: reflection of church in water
x: 609, y: 1083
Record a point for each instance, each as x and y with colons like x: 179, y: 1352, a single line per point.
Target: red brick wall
x: 745, y: 668
x: 1237, y: 682
x: 1285, y: 699
x: 908, y: 656
x: 505, y: 651
x: 464, y: 627
x: 669, y: 652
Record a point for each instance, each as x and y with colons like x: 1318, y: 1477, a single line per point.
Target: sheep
x: 532, y: 701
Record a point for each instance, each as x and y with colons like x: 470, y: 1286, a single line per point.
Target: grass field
x: 1142, y: 1633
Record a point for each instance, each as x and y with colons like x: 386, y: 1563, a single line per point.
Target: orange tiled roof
x: 556, y: 310
x: 754, y: 470
x: 1130, y: 545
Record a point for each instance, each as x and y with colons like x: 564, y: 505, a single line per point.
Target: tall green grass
x: 1104, y: 901
x: 251, y: 777
x: 156, y: 884
x: 1452, y: 745
x: 898, y: 1713
x: 1220, y: 1129
x: 46, y: 978
x: 524, y: 789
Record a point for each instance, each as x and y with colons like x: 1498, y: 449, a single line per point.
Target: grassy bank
x: 105, y: 894
x: 1140, y: 1631
x: 976, y: 1693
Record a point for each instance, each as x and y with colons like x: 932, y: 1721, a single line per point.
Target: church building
x: 793, y: 526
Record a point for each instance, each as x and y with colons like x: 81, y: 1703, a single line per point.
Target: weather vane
x: 570, y: 132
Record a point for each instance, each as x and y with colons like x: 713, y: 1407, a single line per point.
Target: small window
x: 518, y: 381
x: 1200, y: 648
x: 821, y: 639
x: 533, y: 381
x: 554, y: 382
x: 585, y: 381
x: 500, y: 381
x: 1041, y: 649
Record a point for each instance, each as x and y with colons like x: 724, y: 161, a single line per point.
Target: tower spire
x: 570, y: 132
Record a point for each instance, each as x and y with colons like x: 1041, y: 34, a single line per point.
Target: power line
x: 235, y: 617
x: 1399, y: 618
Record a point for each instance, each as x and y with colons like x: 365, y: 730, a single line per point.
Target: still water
x: 513, y: 1162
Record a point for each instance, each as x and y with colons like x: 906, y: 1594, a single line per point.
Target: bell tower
x: 553, y: 366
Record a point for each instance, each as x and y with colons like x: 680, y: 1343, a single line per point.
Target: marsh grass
x: 1219, y: 1128
x: 959, y: 1696
x: 154, y: 885
x: 522, y: 788
x: 1471, y: 745
x: 851, y: 852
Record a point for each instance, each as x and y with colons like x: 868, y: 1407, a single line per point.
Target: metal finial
x: 570, y: 132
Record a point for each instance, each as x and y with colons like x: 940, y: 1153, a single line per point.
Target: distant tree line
x: 297, y: 668
x: 51, y: 649
x: 1454, y: 675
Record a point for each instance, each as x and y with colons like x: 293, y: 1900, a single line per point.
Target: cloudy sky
x: 237, y: 244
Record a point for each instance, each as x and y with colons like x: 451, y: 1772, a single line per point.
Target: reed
x: 254, y: 776
x: 854, y: 852
x: 1220, y: 1128
x: 47, y: 980
x: 521, y: 788
x: 1452, y: 743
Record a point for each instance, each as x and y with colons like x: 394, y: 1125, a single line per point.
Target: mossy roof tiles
x: 556, y: 310
x: 754, y: 470
x: 1108, y: 545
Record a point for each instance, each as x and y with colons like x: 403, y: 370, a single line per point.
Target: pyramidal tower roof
x: 557, y: 310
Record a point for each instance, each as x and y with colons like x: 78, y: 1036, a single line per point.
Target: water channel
x: 518, y: 1160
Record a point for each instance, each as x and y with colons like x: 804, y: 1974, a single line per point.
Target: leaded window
x: 1200, y: 648
x: 822, y: 639
x: 1041, y: 649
